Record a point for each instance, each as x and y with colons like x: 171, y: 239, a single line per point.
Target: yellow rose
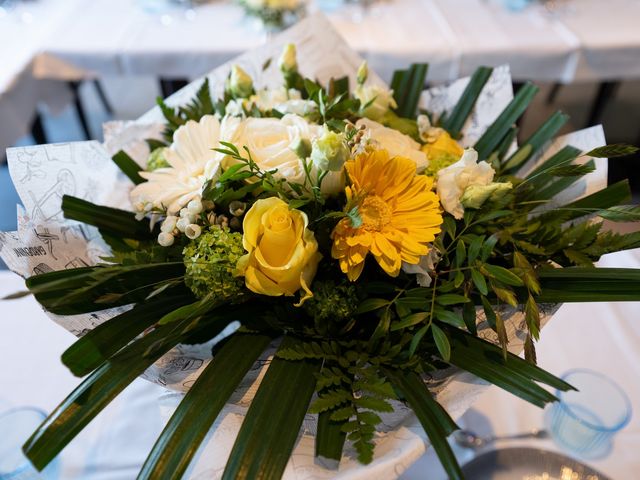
x: 283, y: 252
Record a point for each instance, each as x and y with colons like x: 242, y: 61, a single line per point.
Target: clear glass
x: 585, y: 421
x: 16, y: 426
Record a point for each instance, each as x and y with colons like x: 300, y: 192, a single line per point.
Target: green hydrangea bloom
x: 157, y: 160
x: 439, y: 162
x: 211, y: 261
x: 331, y: 302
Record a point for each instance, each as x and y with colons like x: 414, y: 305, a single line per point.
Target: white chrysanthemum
x: 174, y: 187
x: 456, y: 178
x: 396, y: 143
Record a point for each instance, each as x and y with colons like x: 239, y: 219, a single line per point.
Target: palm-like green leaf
x: 102, y: 386
x: 82, y: 290
x: 536, y: 141
x: 329, y: 438
x: 584, y: 284
x: 89, y: 351
x: 271, y: 426
x: 436, y: 422
x: 500, y: 127
x: 454, y: 122
x: 112, y: 221
x: 188, y: 426
x: 128, y: 166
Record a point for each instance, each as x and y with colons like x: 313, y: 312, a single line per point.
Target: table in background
x: 23, y: 33
x: 71, y: 40
x: 604, y: 337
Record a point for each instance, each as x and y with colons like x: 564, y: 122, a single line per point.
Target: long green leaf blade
x: 270, y: 428
x: 536, y: 141
x: 455, y: 121
x: 113, y: 221
x: 498, y: 129
x: 193, y: 418
x: 128, y: 166
x: 97, y: 391
x: 90, y: 351
x: 436, y: 422
x: 329, y: 439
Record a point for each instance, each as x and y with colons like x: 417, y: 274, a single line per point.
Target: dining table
x: 603, y: 337
x: 46, y: 44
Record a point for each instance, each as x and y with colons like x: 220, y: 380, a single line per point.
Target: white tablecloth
x: 73, y: 40
x: 455, y: 36
x: 603, y: 337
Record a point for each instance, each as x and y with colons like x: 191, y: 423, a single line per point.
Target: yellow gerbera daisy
x: 398, y: 214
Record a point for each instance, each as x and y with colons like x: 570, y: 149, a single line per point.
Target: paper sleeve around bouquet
x: 47, y: 242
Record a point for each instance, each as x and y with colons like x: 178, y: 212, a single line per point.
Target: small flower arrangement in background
x: 275, y: 15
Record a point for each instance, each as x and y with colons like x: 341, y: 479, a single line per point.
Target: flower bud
x: 235, y: 224
x: 330, y: 151
x: 474, y: 196
x: 222, y: 220
x: 239, y: 84
x: 194, y: 207
x: 237, y: 208
x: 165, y: 239
x: 183, y: 223
x: 187, y: 215
x: 287, y: 61
x: 208, y: 205
x: 363, y: 73
x: 192, y: 231
x: 169, y: 224
x: 302, y: 148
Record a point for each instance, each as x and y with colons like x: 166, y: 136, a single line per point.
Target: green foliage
x: 612, y: 151
x: 332, y: 305
x: 201, y: 105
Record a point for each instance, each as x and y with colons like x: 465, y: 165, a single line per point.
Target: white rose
x: 454, y: 180
x: 379, y: 100
x: 302, y: 108
x: 271, y: 141
x: 396, y: 143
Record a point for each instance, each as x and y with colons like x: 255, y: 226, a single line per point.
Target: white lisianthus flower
x: 330, y: 151
x: 396, y: 143
x: 375, y: 101
x: 173, y: 187
x: 423, y: 268
x: 272, y: 141
x: 475, y: 195
x: 456, y: 178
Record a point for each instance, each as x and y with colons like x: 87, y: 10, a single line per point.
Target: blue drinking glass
x: 16, y: 426
x: 585, y: 421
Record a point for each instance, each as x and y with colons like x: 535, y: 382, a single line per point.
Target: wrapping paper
x: 45, y: 241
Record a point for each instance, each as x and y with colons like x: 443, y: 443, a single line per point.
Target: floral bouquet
x: 341, y: 250
x: 275, y: 15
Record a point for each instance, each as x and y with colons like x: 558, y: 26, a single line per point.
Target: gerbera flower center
x: 374, y: 212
